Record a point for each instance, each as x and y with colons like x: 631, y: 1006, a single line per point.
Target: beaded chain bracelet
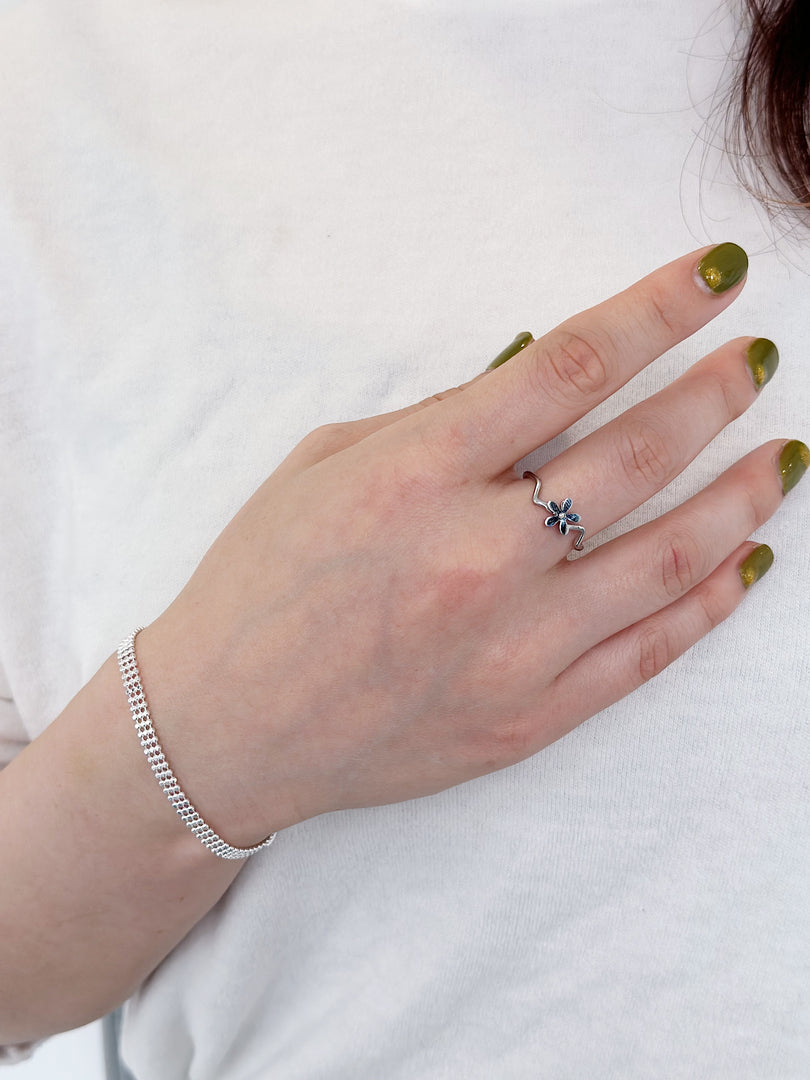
x: 128, y: 667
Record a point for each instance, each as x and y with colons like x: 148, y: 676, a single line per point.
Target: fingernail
x: 723, y: 267
x: 756, y: 565
x: 520, y: 342
x: 763, y: 360
x: 793, y: 464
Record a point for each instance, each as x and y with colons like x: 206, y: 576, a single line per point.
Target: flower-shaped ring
x: 561, y: 515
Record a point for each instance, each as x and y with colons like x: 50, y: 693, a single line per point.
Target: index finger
x: 561, y: 376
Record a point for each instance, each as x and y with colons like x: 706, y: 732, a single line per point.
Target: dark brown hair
x: 768, y: 116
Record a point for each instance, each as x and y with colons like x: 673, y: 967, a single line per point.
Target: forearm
x: 99, y: 878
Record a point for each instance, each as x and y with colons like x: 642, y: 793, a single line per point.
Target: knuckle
x: 730, y: 401
x: 659, y: 309
x: 759, y: 504
x: 511, y: 741
x: 645, y: 456
x: 681, y: 563
x: 570, y: 368
x: 328, y: 438
x: 440, y: 396
x: 655, y: 652
x: 713, y: 607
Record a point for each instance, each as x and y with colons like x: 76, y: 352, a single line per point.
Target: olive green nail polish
x: 520, y: 342
x: 723, y: 267
x: 763, y: 360
x: 793, y: 463
x: 756, y: 565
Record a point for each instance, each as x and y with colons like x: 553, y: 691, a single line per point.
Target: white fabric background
x: 74, y: 1055
x: 222, y: 225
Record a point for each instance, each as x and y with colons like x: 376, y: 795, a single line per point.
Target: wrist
x: 126, y: 879
x: 203, y: 741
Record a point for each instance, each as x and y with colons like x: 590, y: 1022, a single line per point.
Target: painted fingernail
x: 763, y: 360
x: 756, y: 565
x: 520, y: 342
x: 793, y: 463
x: 723, y: 267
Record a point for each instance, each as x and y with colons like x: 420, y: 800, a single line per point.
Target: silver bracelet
x: 128, y: 667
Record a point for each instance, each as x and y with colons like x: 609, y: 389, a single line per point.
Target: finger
x: 614, y: 667
x: 625, y: 462
x: 330, y: 439
x: 643, y: 571
x: 565, y: 373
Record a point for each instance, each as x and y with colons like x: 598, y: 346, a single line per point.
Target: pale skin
x: 367, y: 630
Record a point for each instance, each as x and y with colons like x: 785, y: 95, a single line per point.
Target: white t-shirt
x: 224, y: 224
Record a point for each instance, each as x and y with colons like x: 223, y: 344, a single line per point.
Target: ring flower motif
x: 559, y: 515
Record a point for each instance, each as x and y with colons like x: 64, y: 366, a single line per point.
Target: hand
x: 388, y: 615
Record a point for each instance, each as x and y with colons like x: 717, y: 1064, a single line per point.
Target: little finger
x: 615, y: 667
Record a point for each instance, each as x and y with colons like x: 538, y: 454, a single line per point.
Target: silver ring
x: 561, y: 515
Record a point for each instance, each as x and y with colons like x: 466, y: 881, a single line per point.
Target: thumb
x: 330, y: 439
